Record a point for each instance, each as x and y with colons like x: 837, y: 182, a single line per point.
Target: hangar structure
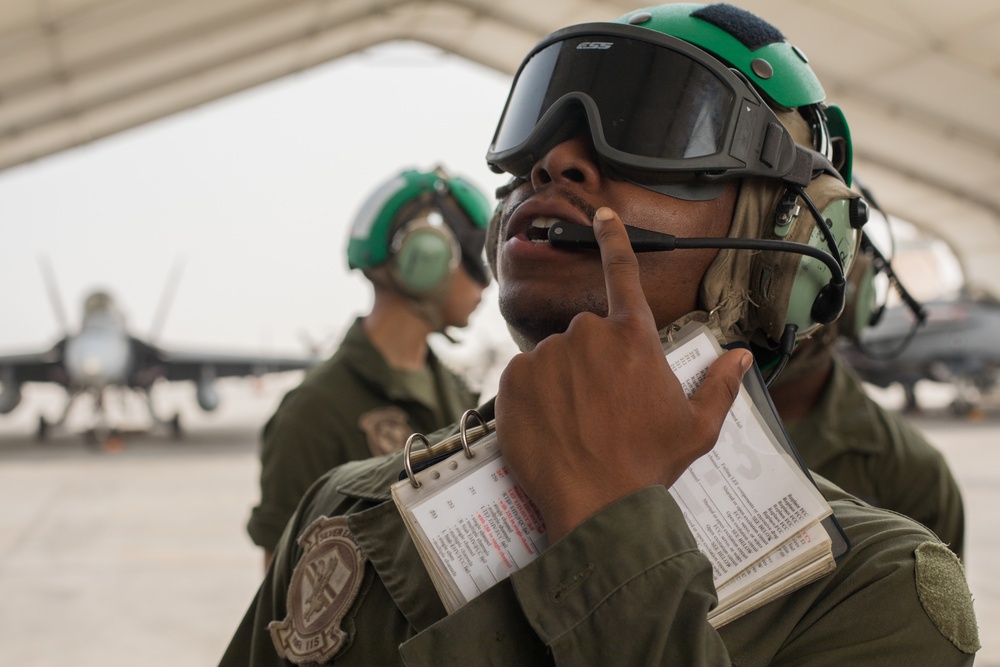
x: 919, y: 80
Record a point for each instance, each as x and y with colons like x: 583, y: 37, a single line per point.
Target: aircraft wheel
x: 910, y: 404
x: 961, y: 407
x: 175, y: 427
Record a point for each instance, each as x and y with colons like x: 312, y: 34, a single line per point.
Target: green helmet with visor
x: 666, y: 99
x: 776, y: 68
x: 380, y: 224
x: 681, y: 99
x: 755, y: 48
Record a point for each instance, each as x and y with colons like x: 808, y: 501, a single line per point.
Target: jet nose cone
x: 92, y: 367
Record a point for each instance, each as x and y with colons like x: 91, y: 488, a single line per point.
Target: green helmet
x: 784, y: 289
x: 409, y: 195
x: 759, y: 51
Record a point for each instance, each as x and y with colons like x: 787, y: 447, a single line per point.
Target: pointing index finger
x: 621, y: 268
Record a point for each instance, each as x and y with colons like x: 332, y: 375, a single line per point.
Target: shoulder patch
x: 386, y: 429
x: 324, y: 584
x: 945, y: 595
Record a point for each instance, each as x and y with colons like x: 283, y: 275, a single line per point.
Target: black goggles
x: 664, y: 113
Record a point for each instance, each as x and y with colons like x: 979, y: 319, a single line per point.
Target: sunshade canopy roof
x: 919, y: 81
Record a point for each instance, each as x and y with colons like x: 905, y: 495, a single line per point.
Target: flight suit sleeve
x: 899, y: 598
x: 632, y: 570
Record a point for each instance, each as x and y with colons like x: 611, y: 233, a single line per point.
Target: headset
x: 423, y: 255
x: 826, y: 305
x: 419, y: 227
x: 868, y: 310
x: 819, y: 288
x: 818, y: 291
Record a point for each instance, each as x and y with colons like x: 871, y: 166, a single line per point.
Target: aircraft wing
x: 34, y: 367
x: 205, y: 365
x: 203, y: 368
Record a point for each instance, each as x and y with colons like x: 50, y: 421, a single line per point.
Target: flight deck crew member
x: 419, y: 239
x: 873, y: 453
x: 610, y: 123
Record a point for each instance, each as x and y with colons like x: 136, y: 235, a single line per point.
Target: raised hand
x: 595, y: 413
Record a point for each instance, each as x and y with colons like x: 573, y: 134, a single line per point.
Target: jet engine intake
x: 10, y: 397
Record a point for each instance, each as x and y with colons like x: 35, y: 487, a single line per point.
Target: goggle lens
x: 653, y: 102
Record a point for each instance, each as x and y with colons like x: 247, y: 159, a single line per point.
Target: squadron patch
x: 386, y: 428
x: 323, y: 587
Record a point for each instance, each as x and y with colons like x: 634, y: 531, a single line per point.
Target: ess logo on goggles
x: 658, y: 109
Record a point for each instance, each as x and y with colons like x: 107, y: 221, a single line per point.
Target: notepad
x: 749, y: 503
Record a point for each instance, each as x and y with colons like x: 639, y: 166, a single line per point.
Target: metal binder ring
x: 463, y: 429
x: 406, y: 457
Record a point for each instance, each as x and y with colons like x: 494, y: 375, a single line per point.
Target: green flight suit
x: 879, y: 457
x: 626, y: 587
x: 353, y: 406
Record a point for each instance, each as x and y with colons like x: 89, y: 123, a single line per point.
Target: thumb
x: 713, y: 399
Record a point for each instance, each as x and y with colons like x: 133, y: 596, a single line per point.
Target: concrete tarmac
x: 133, y: 551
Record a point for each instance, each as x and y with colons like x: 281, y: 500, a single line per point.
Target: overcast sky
x: 252, y: 194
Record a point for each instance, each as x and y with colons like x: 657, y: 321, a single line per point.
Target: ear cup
x: 862, y: 307
x: 809, y: 304
x: 423, y: 257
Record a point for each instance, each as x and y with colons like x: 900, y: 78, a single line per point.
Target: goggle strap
x: 771, y: 149
x: 820, y: 164
x: 801, y: 173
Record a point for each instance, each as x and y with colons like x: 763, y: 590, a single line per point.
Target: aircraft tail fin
x: 52, y: 289
x: 166, y: 300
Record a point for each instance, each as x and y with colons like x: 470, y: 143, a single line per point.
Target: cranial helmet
x: 414, y: 231
x: 760, y: 294
x: 682, y: 98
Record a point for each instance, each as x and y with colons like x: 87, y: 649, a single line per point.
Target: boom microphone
x: 825, y: 309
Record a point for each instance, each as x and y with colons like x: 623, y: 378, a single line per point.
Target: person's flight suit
x: 879, y: 457
x: 628, y: 586
x: 376, y: 410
